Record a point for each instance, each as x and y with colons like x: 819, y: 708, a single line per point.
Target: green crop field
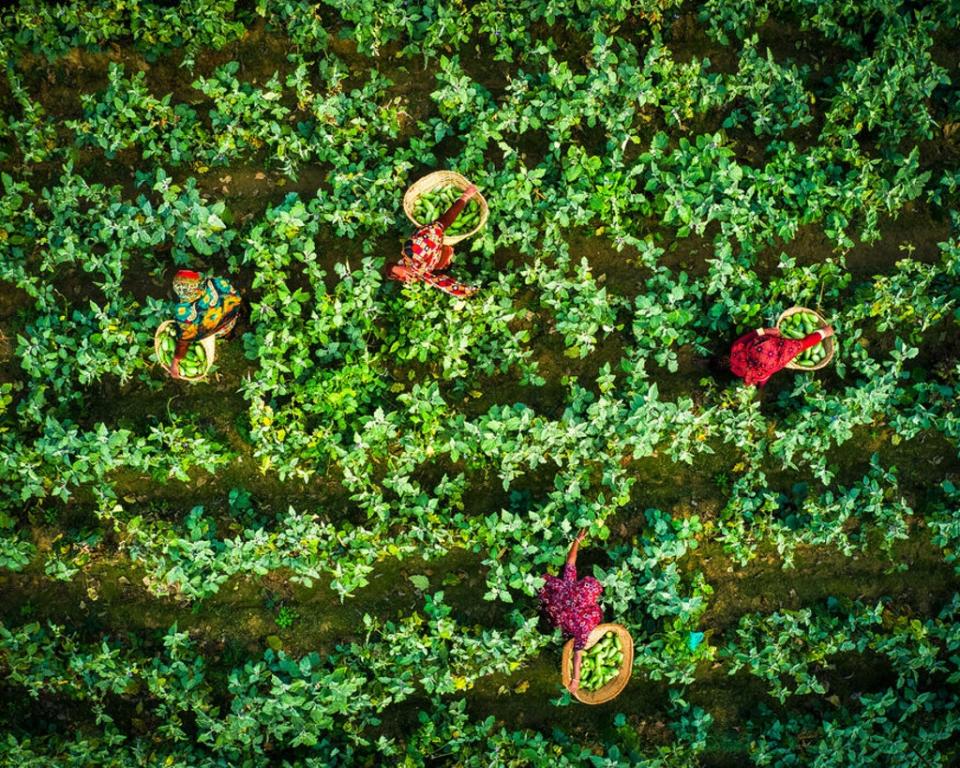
x: 328, y: 553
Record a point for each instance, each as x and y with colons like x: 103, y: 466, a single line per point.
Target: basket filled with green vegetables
x: 428, y: 198
x: 606, y: 665
x: 797, y: 322
x: 198, y: 361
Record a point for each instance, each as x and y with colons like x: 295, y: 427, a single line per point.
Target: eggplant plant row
x: 659, y: 182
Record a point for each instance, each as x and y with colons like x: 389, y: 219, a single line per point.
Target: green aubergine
x: 430, y: 206
x: 601, y: 663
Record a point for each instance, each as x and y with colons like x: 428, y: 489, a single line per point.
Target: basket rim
x: 444, y: 178
x: 612, y: 689
x: 208, y: 343
x: 828, y: 343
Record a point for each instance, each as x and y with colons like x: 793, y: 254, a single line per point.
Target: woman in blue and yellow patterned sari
x: 208, y: 306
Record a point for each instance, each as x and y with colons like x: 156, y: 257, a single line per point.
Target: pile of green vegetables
x: 192, y: 365
x: 601, y: 662
x: 431, y: 206
x: 799, y: 325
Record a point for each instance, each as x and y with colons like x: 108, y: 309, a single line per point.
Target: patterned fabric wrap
x: 756, y: 358
x: 572, y: 605
x: 187, y: 285
x: 423, y: 252
x: 213, y: 312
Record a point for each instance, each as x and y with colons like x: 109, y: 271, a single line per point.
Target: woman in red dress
x: 424, y: 254
x: 573, y: 605
x: 757, y: 355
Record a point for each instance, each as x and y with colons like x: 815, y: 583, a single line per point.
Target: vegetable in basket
x: 601, y: 662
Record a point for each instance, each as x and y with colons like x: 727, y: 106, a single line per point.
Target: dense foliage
x: 648, y: 203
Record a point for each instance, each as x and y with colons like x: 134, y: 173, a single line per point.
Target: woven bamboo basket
x: 431, y: 182
x: 209, y: 345
x: 612, y: 689
x: 828, y: 344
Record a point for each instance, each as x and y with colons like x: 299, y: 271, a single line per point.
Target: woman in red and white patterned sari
x: 424, y: 254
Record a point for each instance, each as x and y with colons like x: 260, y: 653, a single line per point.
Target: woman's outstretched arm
x: 572, y: 554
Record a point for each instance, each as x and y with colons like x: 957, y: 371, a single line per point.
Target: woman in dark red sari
x: 757, y: 355
x: 424, y: 254
x: 573, y: 605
